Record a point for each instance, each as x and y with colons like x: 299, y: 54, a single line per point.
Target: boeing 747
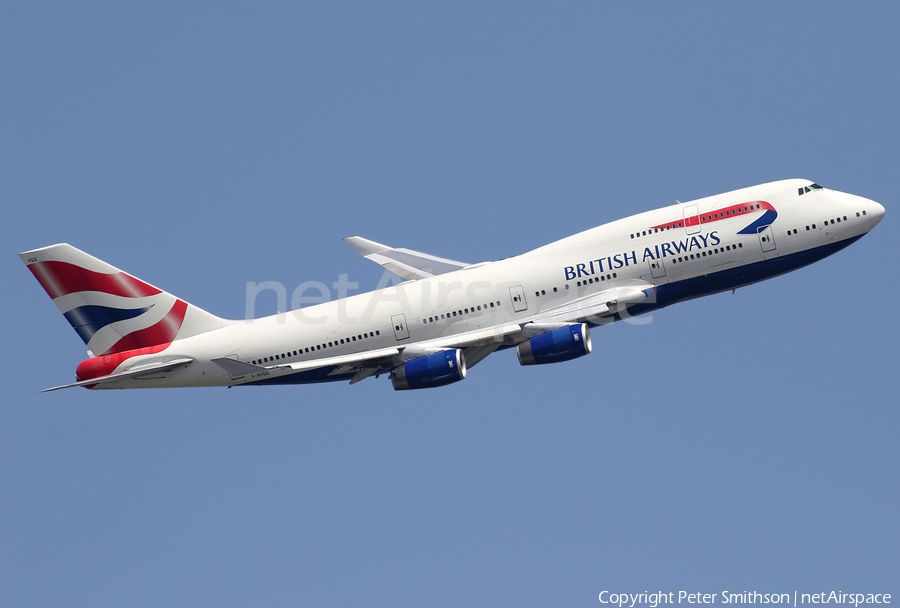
x: 448, y: 315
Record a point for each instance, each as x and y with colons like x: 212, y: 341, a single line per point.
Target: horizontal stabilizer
x: 142, y: 370
x: 409, y: 264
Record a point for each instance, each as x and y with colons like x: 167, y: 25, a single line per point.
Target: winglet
x: 365, y: 247
x: 409, y: 264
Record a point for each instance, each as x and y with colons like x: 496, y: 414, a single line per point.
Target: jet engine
x: 430, y: 371
x: 561, y: 344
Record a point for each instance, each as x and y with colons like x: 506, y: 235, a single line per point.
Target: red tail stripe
x: 62, y: 278
x: 162, y: 332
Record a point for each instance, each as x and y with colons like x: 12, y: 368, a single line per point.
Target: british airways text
x: 672, y: 248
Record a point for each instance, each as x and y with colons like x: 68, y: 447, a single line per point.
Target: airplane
x: 447, y: 316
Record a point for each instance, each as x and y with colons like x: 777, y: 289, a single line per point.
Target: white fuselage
x: 685, y: 251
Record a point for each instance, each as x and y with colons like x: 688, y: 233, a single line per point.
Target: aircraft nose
x: 876, y: 212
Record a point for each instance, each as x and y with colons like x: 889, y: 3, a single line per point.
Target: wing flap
x: 598, y: 305
x: 353, y: 361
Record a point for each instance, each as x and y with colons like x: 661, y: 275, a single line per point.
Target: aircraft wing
x: 409, y: 264
x: 365, y: 363
x: 136, y: 372
x: 594, y: 307
x: 477, y: 344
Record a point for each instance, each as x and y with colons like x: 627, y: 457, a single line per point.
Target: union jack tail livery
x: 112, y: 311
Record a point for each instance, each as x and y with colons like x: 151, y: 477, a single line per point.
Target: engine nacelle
x: 430, y: 371
x: 563, y: 344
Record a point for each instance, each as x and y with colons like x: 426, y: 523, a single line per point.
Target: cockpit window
x: 805, y: 189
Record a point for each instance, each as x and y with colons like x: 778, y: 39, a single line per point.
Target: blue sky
x: 737, y: 442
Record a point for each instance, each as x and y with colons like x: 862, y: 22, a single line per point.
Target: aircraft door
x: 657, y: 268
x: 691, y: 219
x: 401, y: 331
x: 767, y: 240
x: 517, y: 295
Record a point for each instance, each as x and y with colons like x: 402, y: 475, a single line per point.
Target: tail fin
x: 111, y: 310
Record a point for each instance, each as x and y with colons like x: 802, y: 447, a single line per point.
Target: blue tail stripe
x: 88, y: 320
